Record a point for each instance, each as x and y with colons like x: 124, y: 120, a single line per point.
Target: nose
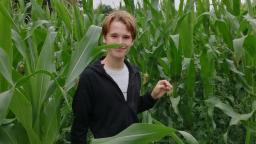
x: 120, y: 40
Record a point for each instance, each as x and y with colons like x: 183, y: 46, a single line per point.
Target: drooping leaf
x: 37, y: 24
x: 233, y: 68
x: 251, y: 20
x: 188, y: 137
x: 137, y: 134
x: 228, y: 110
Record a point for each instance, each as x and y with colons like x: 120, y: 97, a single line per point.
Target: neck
x: 113, y: 63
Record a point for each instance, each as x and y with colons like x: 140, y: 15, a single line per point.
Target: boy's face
x: 118, y: 34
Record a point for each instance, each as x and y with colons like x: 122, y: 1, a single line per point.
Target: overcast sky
x: 115, y: 3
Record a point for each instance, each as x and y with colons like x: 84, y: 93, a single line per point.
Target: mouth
x: 121, y: 49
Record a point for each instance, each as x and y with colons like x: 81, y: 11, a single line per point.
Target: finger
x: 161, y: 87
x: 164, y: 87
x: 167, y: 84
x: 167, y: 88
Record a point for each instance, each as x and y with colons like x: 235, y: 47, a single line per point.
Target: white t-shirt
x: 121, y: 77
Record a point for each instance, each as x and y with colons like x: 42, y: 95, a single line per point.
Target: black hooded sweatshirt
x: 99, y: 103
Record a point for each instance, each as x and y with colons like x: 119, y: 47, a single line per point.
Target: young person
x: 108, y: 98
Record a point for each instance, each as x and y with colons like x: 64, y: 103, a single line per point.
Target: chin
x: 119, y: 55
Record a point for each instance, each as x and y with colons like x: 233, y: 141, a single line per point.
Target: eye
x: 126, y: 37
x: 113, y: 36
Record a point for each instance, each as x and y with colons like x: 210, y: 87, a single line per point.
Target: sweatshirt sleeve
x: 146, y: 101
x: 81, y: 107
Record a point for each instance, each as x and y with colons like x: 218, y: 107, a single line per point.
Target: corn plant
x: 206, y: 49
x: 41, y: 58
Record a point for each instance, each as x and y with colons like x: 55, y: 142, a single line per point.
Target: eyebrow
x: 122, y: 35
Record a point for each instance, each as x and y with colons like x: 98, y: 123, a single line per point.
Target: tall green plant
x: 37, y: 90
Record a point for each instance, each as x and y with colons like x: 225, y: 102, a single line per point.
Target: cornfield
x: 206, y: 49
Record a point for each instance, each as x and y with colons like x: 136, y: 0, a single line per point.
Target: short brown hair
x: 122, y: 16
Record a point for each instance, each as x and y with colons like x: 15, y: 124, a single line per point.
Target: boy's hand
x: 160, y: 89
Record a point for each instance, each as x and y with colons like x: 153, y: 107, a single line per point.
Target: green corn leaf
x: 251, y: 125
x: 225, y: 32
x: 250, y: 47
x: 6, y: 53
x: 5, y: 99
x: 188, y: 137
x: 13, y: 134
x: 250, y: 8
x: 251, y: 20
x: 137, y: 134
x: 207, y: 72
x: 22, y: 109
x: 175, y: 102
x: 78, y: 28
x: 129, y: 4
x: 37, y: 12
x: 50, y: 122
x: 82, y: 55
x: 63, y: 13
x: 175, y: 40
x: 233, y: 68
x: 39, y: 84
x: 186, y: 103
x: 88, y: 8
x: 45, y: 62
x: 175, y: 56
x: 228, y: 110
x: 35, y: 26
x: 236, y: 7
x: 238, y: 48
x: 6, y: 137
x: 186, y: 35
x: 22, y: 48
x: 5, y: 66
x: 5, y: 30
x: 4, y: 12
x: 20, y: 44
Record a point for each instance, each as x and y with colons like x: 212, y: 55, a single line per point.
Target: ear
x: 104, y: 40
x: 132, y: 42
